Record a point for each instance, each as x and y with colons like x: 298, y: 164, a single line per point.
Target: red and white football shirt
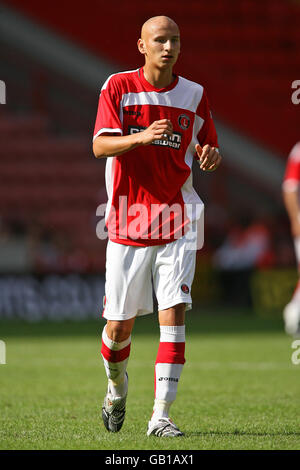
x: 291, y: 178
x: 150, y: 187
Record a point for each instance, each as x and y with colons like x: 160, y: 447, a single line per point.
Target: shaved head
x: 158, y: 22
x: 160, y: 45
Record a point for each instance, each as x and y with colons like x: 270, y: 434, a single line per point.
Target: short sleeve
x: 108, y: 113
x: 207, y: 133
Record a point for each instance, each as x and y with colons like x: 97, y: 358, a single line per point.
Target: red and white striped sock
x: 168, y: 367
x: 115, y: 358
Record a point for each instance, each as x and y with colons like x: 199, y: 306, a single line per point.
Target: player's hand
x: 209, y: 157
x: 158, y: 130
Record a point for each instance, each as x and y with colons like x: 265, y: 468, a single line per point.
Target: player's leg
x: 128, y: 294
x: 173, y: 274
x: 168, y: 367
x: 115, y: 350
x: 170, y: 358
x: 291, y: 313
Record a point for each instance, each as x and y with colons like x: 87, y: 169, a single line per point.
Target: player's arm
x: 111, y: 146
x: 291, y: 202
x: 207, y: 152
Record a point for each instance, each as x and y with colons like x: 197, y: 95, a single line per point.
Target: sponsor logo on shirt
x: 173, y: 141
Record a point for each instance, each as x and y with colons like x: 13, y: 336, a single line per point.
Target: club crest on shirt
x: 184, y: 121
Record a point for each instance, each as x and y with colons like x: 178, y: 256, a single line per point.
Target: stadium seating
x: 245, y: 52
x: 52, y: 181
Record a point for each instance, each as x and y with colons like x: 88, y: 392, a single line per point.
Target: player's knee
x: 118, y: 330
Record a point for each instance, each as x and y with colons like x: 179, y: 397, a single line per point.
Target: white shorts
x: 131, y: 270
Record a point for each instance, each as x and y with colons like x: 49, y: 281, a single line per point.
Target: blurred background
x: 54, y: 58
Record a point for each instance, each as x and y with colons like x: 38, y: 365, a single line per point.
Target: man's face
x: 160, y: 43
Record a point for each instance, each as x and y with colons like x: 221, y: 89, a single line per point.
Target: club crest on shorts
x: 185, y: 289
x: 184, y: 121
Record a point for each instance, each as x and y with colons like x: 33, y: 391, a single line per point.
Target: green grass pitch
x: 239, y: 388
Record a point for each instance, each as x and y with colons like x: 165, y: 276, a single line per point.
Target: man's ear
x: 141, y: 46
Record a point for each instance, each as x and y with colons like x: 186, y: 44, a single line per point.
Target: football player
x: 150, y: 125
x: 291, y: 313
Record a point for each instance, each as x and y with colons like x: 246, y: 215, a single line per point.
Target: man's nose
x: 168, y: 45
